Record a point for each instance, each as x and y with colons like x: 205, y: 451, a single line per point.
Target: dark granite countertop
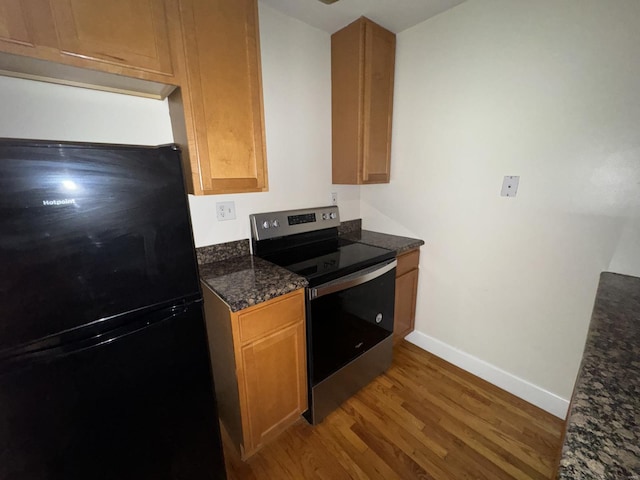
x: 603, y: 427
x: 384, y: 240
x: 222, y: 251
x: 246, y: 280
x: 242, y: 280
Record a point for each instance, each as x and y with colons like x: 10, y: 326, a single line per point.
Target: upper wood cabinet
x: 14, y: 24
x: 118, y: 45
x: 217, y: 115
x: 25, y: 25
x: 210, y: 48
x: 129, y: 33
x: 362, y: 72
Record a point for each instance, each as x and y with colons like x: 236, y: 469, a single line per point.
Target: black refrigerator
x: 104, y: 362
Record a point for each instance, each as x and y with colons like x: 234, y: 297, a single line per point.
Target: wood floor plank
x: 338, y: 427
x: 496, y: 395
x: 482, y: 435
x: 424, y: 419
x: 459, y: 460
x: 448, y: 401
x: 427, y: 458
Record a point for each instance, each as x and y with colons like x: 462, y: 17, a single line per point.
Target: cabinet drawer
x: 407, y: 261
x: 262, y: 320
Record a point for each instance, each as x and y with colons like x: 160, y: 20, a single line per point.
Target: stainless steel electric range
x: 349, y: 301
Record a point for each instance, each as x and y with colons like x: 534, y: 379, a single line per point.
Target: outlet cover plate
x: 510, y: 186
x: 225, y: 211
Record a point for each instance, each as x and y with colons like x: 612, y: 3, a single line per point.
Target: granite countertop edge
x: 602, y: 438
x: 244, y: 281
x: 397, y: 243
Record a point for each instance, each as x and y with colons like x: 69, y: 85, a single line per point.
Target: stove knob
x: 265, y: 224
x: 275, y: 223
x: 333, y: 215
x: 325, y: 216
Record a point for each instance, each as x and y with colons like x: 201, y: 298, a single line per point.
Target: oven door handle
x: 352, y: 280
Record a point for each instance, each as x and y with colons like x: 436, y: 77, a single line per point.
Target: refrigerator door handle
x: 180, y: 308
x: 64, y: 349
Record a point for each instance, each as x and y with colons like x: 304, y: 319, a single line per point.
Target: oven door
x: 348, y: 316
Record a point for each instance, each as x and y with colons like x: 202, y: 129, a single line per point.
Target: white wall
x: 626, y: 258
x: 296, y: 77
x: 546, y: 90
x: 39, y: 110
x: 297, y: 97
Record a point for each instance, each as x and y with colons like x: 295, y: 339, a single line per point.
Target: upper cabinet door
x: 221, y: 98
x: 362, y: 71
x: 380, y: 51
x: 25, y: 25
x: 129, y: 33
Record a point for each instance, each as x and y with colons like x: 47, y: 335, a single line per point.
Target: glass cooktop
x: 324, y: 262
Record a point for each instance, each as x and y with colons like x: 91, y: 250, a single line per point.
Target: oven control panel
x: 289, y: 222
x: 301, y: 218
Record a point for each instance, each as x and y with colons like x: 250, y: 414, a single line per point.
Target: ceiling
x: 394, y: 15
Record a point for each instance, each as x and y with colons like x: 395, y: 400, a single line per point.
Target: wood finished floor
x: 423, y: 419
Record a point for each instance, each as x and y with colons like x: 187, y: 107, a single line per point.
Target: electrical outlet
x: 334, y: 198
x: 510, y: 186
x: 225, y: 211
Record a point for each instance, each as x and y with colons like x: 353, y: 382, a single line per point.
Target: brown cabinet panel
x: 13, y: 23
x: 362, y: 73
x: 255, y: 324
x: 347, y: 83
x: 408, y: 261
x: 25, y: 25
x: 273, y: 383
x: 405, y: 310
x: 219, y: 119
x: 119, y: 46
x: 380, y: 49
x: 259, y: 361
x: 406, y: 293
x: 131, y: 33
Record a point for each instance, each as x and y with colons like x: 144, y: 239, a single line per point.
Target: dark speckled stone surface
x: 242, y: 280
x: 349, y: 227
x: 247, y: 280
x: 222, y: 251
x: 384, y: 240
x: 603, y: 427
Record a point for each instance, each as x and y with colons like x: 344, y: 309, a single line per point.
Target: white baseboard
x: 529, y: 392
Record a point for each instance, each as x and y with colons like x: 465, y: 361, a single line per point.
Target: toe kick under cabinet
x: 258, y: 358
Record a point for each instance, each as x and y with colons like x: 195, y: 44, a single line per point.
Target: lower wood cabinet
x: 258, y: 358
x: 406, y: 293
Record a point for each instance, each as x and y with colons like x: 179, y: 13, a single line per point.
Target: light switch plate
x: 225, y: 211
x: 510, y: 186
